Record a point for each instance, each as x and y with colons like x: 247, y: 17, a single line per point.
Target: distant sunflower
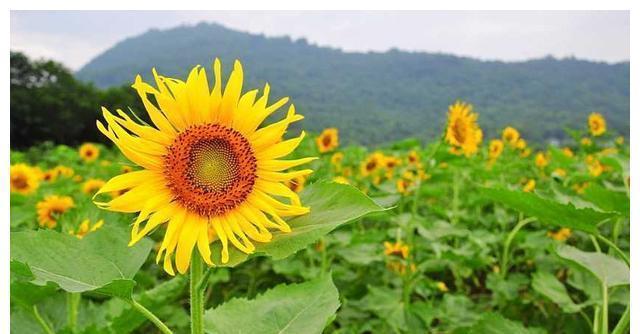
x: 597, y: 124
x: 511, y: 136
x: 413, y: 157
x: 207, y: 164
x: 64, y: 171
x: 521, y: 144
x: 86, y: 228
x: 462, y: 130
x: 91, y: 186
x: 89, y: 152
x: 371, y: 163
x: 541, y: 160
x: 50, y: 209
x: 567, y: 152
x: 297, y: 183
x: 327, y: 140
x: 620, y: 140
x: 398, y: 249
x: 24, y: 179
x: 495, y: 148
x: 529, y: 186
x: 341, y: 180
x: 336, y: 158
x: 585, y: 141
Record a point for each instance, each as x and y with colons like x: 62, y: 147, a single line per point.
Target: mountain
x: 376, y: 97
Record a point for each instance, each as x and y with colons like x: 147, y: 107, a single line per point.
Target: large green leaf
x: 294, y: 308
x: 607, y: 200
x: 331, y: 204
x: 549, y: 286
x: 100, y: 262
x: 548, y: 211
x: 607, y: 269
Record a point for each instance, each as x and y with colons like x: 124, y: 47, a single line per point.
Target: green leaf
x: 493, y: 323
x: 607, y: 200
x: 294, y: 308
x: 386, y: 304
x: 100, y: 262
x: 331, y: 204
x: 549, y: 286
x: 607, y: 269
x: 548, y: 211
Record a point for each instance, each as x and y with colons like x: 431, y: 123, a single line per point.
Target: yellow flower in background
x: 443, y: 165
x: 126, y: 169
x: 77, y: 178
x: 580, y: 187
x: 586, y: 141
x: 511, y: 136
x: 297, y: 183
x: 608, y: 151
x: 403, y: 185
x: 413, y: 157
x: 86, y: 228
x: 207, y: 164
x: 597, y: 124
x: 390, y: 164
x: 595, y: 167
x: 542, y: 160
x: 525, y: 152
x: 442, y: 287
x: 105, y: 163
x: 24, y: 179
x: 91, y: 186
x: 462, y: 128
x: 50, y: 209
x: 530, y: 186
x: 559, y: 172
x: 50, y: 175
x: 521, y: 144
x: 336, y: 158
x: 620, y: 140
x: 341, y: 180
x: 567, y: 152
x: 371, y: 163
x: 397, y: 249
x: 561, y: 235
x: 495, y: 148
x: 64, y: 171
x: 327, y: 140
x: 89, y: 152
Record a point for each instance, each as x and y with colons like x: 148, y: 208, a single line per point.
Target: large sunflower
x: 206, y: 164
x: 463, y: 131
x: 597, y: 124
x: 24, y: 179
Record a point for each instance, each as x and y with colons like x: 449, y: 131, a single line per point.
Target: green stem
x: 455, y: 203
x: 507, y: 244
x: 45, y: 327
x: 323, y: 253
x: 596, y: 245
x: 197, y: 295
x: 616, y: 230
x: 605, y: 310
x: 73, y: 300
x: 596, y: 320
x: 152, y: 317
x: 615, y: 248
x: 623, y: 323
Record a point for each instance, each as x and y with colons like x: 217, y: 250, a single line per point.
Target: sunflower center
x: 19, y: 182
x: 210, y: 169
x: 459, y: 130
x: 326, y: 140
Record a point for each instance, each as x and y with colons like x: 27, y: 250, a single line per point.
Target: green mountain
x: 377, y: 97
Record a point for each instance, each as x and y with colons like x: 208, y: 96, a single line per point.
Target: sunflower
x: 521, y: 144
x: 595, y: 167
x: 526, y: 152
x: 206, y: 164
x: 64, y: 171
x: 297, y: 183
x: 568, y: 152
x: 620, y: 140
x: 403, y: 185
x: 341, y: 180
x: 89, y: 152
x: 50, y: 175
x: 371, y: 163
x: 495, y: 148
x: 529, y: 186
x: 559, y: 172
x: 597, y: 124
x: 51, y: 208
x: 327, y: 140
x: 511, y: 136
x: 336, y: 158
x: 585, y: 141
x: 398, y: 249
x: 92, y: 185
x: 462, y: 130
x: 541, y: 160
x: 126, y: 169
x: 86, y: 228
x: 413, y: 157
x: 560, y: 235
x: 24, y: 179
x: 442, y: 287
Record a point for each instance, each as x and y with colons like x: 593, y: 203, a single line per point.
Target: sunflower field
x: 207, y: 216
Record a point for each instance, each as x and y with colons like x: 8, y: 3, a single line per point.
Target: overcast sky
x: 75, y: 37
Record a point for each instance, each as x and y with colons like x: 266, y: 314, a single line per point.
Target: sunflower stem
x: 73, y: 300
x: 507, y: 243
x: 152, y: 317
x: 196, y: 292
x: 43, y: 323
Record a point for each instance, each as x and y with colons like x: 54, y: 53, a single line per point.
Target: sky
x: 75, y: 37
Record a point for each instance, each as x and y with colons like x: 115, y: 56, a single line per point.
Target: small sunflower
x: 89, y: 152
x: 63, y: 171
x: 585, y: 141
x: 24, y: 179
x: 463, y: 131
x: 327, y: 140
x: 597, y: 124
x: 413, y: 157
x: 207, y: 165
x: 595, y: 167
x: 371, y: 163
x: 86, y: 228
x: 559, y: 172
x: 336, y: 158
x: 50, y: 175
x: 529, y: 186
x: 510, y: 136
x: 126, y: 169
x: 620, y: 140
x: 398, y: 249
x: 51, y: 208
x: 91, y: 186
x: 526, y: 152
x: 568, y: 152
x: 297, y: 183
x: 561, y: 235
x: 495, y: 148
x: 521, y: 144
x: 542, y: 160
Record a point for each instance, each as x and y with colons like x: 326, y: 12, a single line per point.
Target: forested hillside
x: 378, y: 97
